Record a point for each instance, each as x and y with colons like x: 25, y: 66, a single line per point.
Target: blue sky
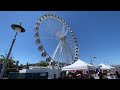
x: 97, y: 33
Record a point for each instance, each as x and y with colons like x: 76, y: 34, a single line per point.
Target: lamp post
x: 17, y: 28
x: 17, y: 62
x: 91, y: 59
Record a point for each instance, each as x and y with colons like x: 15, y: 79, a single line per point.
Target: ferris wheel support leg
x: 54, y: 54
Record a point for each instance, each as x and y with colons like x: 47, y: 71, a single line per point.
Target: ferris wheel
x: 60, y: 44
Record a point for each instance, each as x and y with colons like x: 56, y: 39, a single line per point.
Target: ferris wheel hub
x: 63, y: 38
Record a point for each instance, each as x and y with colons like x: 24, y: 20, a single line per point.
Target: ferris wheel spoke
x: 48, y: 38
x: 71, y: 43
x: 66, y: 55
x: 67, y: 46
x: 51, y: 32
x: 53, y: 26
x: 64, y: 30
x: 60, y: 53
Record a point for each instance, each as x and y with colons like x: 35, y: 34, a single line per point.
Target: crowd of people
x: 89, y: 75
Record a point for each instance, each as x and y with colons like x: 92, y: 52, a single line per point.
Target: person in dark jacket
x: 100, y: 75
x: 117, y: 75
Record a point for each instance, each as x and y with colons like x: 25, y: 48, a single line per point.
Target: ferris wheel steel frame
x: 61, y: 42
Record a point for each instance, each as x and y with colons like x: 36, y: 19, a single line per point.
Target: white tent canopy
x: 79, y: 65
x: 104, y: 67
x: 111, y: 67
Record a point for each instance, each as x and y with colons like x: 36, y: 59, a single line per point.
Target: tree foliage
x: 46, y: 63
x: 43, y: 63
x: 10, y: 63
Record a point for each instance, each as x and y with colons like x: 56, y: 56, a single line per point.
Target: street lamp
x: 17, y: 28
x: 91, y: 59
x: 17, y: 62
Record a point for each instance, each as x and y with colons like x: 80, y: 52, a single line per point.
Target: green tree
x: 21, y: 65
x: 43, y: 63
x: 2, y: 59
x: 27, y: 65
x: 10, y: 63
